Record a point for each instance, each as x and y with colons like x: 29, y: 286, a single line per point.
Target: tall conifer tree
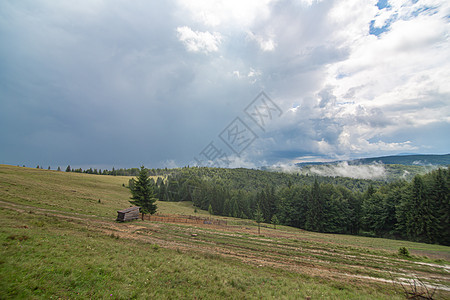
x: 143, y: 193
x: 314, y: 217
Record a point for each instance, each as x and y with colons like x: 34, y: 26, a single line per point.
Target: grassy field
x: 60, y: 240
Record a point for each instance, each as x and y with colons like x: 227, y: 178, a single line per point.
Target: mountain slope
x: 409, y: 160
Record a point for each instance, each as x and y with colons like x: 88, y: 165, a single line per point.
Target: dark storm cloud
x: 119, y: 83
x: 101, y: 83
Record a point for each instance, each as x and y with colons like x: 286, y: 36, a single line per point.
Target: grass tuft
x: 18, y: 237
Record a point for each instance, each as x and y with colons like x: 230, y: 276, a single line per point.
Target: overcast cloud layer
x: 119, y: 83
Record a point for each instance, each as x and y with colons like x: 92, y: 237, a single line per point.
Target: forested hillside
x: 385, y: 168
x: 407, y: 160
x: 414, y: 159
x: 417, y: 210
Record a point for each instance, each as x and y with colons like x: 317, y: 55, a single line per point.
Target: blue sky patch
x: 425, y: 9
x: 378, y: 30
x: 382, y: 4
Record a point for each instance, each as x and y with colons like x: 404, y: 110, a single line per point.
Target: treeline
x: 116, y: 172
x: 417, y: 210
x: 113, y: 172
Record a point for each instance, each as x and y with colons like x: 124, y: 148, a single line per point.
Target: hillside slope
x: 60, y: 239
x: 383, y: 168
x: 409, y: 160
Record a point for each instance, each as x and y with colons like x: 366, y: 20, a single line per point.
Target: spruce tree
x: 227, y: 210
x: 143, y: 193
x: 259, y: 217
x: 162, y: 192
x: 314, y: 216
x: 441, y: 199
x: 275, y: 221
x: 234, y: 207
x: 172, y: 189
x: 210, y: 210
x: 421, y: 223
x: 373, y: 213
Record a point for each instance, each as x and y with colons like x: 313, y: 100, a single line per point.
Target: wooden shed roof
x: 126, y: 210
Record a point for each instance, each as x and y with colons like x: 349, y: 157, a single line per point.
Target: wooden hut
x: 128, y: 214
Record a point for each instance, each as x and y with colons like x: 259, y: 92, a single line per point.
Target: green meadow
x: 59, y: 239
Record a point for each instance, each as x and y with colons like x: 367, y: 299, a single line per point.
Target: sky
x: 229, y: 83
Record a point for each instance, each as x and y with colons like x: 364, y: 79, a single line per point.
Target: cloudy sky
x: 172, y: 83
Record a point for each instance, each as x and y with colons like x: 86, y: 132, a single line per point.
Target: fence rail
x: 184, y: 219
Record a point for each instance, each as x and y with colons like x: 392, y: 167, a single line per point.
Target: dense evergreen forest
x: 416, y: 210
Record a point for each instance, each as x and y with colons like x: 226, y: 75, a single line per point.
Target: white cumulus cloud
x: 197, y: 41
x: 265, y: 43
x: 227, y: 12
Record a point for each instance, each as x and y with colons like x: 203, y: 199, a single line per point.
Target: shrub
x: 402, y: 251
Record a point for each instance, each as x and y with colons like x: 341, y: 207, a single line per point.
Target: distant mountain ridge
x: 408, y: 160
